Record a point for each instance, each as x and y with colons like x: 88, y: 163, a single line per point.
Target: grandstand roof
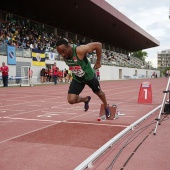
x: 95, y: 19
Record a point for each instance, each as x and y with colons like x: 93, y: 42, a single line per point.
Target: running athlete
x: 83, y: 74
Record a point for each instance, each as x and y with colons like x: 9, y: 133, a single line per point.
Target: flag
x: 38, y: 57
x: 51, y: 55
x: 11, y: 55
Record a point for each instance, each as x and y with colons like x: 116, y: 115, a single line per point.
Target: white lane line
x: 71, y: 108
x: 50, y: 114
x: 122, y: 116
x: 63, y: 121
x: 28, y: 133
x: 59, y: 107
x: 54, y: 123
x: 40, y: 120
x: 21, y: 100
x: 28, y: 102
x: 29, y: 111
x: 126, y: 110
x: 11, y: 110
x: 55, y: 102
x: 47, y: 112
x: 98, y: 124
x: 47, y: 115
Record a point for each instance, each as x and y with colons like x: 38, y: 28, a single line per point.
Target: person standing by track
x: 4, y: 69
x: 55, y: 70
x: 83, y: 74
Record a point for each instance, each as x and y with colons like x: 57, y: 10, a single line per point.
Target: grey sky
x: 150, y: 15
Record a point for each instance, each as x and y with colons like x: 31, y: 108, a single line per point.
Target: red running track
x: 40, y: 130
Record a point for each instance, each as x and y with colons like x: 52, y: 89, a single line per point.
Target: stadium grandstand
x: 27, y: 28
x: 40, y: 129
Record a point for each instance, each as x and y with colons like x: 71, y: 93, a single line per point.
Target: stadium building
x: 164, y: 59
x: 81, y: 22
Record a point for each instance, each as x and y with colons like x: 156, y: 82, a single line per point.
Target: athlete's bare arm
x: 94, y: 46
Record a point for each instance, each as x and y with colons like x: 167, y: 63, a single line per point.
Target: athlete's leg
x: 102, y: 97
x: 95, y: 86
x: 74, y: 98
x: 73, y: 93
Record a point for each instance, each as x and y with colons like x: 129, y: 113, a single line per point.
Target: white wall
x: 106, y: 72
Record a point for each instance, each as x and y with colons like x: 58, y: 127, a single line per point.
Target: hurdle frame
x: 25, y: 76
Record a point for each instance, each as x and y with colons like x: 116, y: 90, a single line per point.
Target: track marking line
x: 126, y: 110
x: 28, y: 102
x: 14, y: 100
x: 29, y: 111
x: 98, y: 124
x: 125, y: 116
x: 54, y: 123
x: 47, y: 112
x: 120, y: 115
x: 25, y: 119
x: 11, y: 110
x: 48, y: 115
x: 53, y: 107
x: 33, y: 105
x: 15, y: 137
x: 55, y: 102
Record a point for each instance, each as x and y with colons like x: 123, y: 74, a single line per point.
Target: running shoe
x: 107, y: 112
x: 86, y: 104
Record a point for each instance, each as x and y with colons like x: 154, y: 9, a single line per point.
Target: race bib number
x: 77, y: 70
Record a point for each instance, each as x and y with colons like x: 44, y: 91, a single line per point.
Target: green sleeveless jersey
x: 81, y: 69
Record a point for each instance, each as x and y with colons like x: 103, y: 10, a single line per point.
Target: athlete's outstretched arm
x: 84, y: 49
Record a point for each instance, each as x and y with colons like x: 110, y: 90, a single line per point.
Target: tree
x: 165, y: 70
x: 140, y: 54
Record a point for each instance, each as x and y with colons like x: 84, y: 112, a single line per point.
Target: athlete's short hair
x: 62, y: 41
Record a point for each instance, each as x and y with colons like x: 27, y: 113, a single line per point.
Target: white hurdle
x: 25, y: 78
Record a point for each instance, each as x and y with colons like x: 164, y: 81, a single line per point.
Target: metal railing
x: 26, y: 53
x: 88, y: 163
x: 20, y: 51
